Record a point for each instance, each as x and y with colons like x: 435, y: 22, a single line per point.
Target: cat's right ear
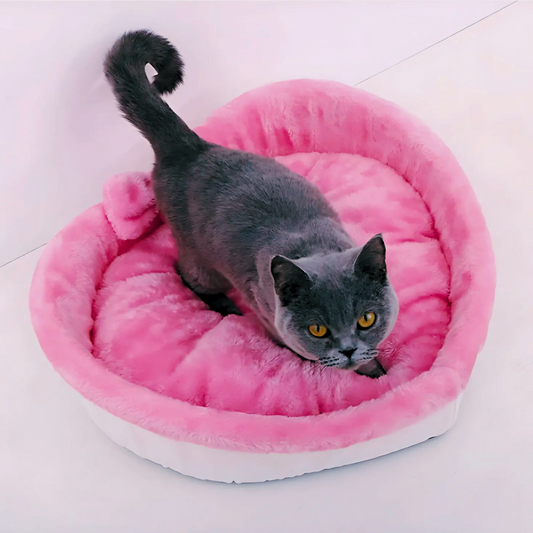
x: 289, y: 279
x: 371, y: 260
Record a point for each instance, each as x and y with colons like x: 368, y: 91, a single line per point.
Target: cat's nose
x: 348, y: 353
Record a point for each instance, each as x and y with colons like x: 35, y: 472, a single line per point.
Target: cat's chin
x: 371, y: 368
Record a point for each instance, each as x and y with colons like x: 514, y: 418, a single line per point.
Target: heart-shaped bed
x: 214, y: 397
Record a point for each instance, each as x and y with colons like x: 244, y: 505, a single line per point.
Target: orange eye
x: 317, y: 330
x: 366, y: 320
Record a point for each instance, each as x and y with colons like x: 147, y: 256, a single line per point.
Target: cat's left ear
x: 371, y: 260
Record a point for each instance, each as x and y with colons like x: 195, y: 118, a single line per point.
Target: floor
x: 58, y: 473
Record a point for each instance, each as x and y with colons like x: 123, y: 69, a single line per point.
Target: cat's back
x: 233, y: 203
x: 248, y: 185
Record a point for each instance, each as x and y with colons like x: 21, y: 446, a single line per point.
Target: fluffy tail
x: 138, y: 99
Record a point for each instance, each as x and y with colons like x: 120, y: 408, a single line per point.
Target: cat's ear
x: 371, y: 260
x: 289, y: 279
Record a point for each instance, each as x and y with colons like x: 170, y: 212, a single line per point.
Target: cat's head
x: 336, y: 308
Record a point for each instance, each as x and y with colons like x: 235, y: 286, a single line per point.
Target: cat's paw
x: 372, y: 369
x: 226, y: 308
x: 220, y: 303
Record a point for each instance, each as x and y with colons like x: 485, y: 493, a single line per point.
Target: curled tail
x: 140, y: 100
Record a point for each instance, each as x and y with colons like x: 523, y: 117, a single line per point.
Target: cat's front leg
x: 205, y: 284
x: 373, y: 369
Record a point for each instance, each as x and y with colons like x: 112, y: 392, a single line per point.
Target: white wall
x: 61, y: 135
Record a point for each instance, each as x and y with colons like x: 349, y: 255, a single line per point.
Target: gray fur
x: 244, y: 221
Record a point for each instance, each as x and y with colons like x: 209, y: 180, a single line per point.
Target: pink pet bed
x: 213, y: 397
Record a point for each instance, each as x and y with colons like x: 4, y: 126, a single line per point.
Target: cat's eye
x: 318, y: 330
x: 366, y: 320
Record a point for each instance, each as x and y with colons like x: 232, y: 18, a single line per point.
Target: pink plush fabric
x: 153, y: 332
x: 129, y: 203
x: 118, y: 325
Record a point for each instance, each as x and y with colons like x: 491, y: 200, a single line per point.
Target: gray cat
x: 245, y: 221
